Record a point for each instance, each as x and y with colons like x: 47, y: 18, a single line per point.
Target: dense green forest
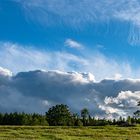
x: 60, y: 115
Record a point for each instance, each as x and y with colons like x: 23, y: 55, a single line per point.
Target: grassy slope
x: 69, y: 133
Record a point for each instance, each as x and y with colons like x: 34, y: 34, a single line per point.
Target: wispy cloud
x: 23, y: 58
x: 75, y: 13
x: 73, y: 44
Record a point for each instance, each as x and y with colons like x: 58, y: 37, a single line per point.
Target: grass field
x: 69, y: 133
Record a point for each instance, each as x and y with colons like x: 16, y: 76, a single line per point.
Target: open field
x: 69, y: 133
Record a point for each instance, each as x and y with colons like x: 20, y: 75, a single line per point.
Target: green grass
x: 69, y: 133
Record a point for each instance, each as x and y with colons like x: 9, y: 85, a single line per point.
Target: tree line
x: 60, y: 115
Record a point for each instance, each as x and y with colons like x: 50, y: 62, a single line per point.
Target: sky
x: 91, y: 39
x: 108, y: 32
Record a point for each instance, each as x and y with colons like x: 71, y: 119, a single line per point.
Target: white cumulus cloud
x: 124, y: 103
x: 5, y: 72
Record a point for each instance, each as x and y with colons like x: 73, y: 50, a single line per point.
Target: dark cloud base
x: 36, y: 91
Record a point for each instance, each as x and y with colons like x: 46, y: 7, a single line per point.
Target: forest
x: 60, y: 115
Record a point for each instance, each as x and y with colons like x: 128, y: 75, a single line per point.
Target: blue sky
x: 110, y: 29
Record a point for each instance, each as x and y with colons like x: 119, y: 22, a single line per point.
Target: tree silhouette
x: 59, y: 115
x: 84, y: 115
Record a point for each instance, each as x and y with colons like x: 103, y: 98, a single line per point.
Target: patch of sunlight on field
x: 69, y: 133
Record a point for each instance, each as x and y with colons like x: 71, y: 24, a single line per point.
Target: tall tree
x: 59, y: 115
x: 84, y: 115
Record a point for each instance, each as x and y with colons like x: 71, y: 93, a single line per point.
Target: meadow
x: 69, y: 133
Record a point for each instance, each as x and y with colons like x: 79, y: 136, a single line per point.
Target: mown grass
x: 69, y: 133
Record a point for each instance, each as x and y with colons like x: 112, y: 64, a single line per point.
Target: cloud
x: 72, y: 11
x: 73, y: 44
x: 23, y: 58
x: 39, y: 90
x: 131, y: 99
x: 124, y: 99
x: 117, y: 76
x: 5, y: 72
x: 76, y: 13
x: 18, y: 58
